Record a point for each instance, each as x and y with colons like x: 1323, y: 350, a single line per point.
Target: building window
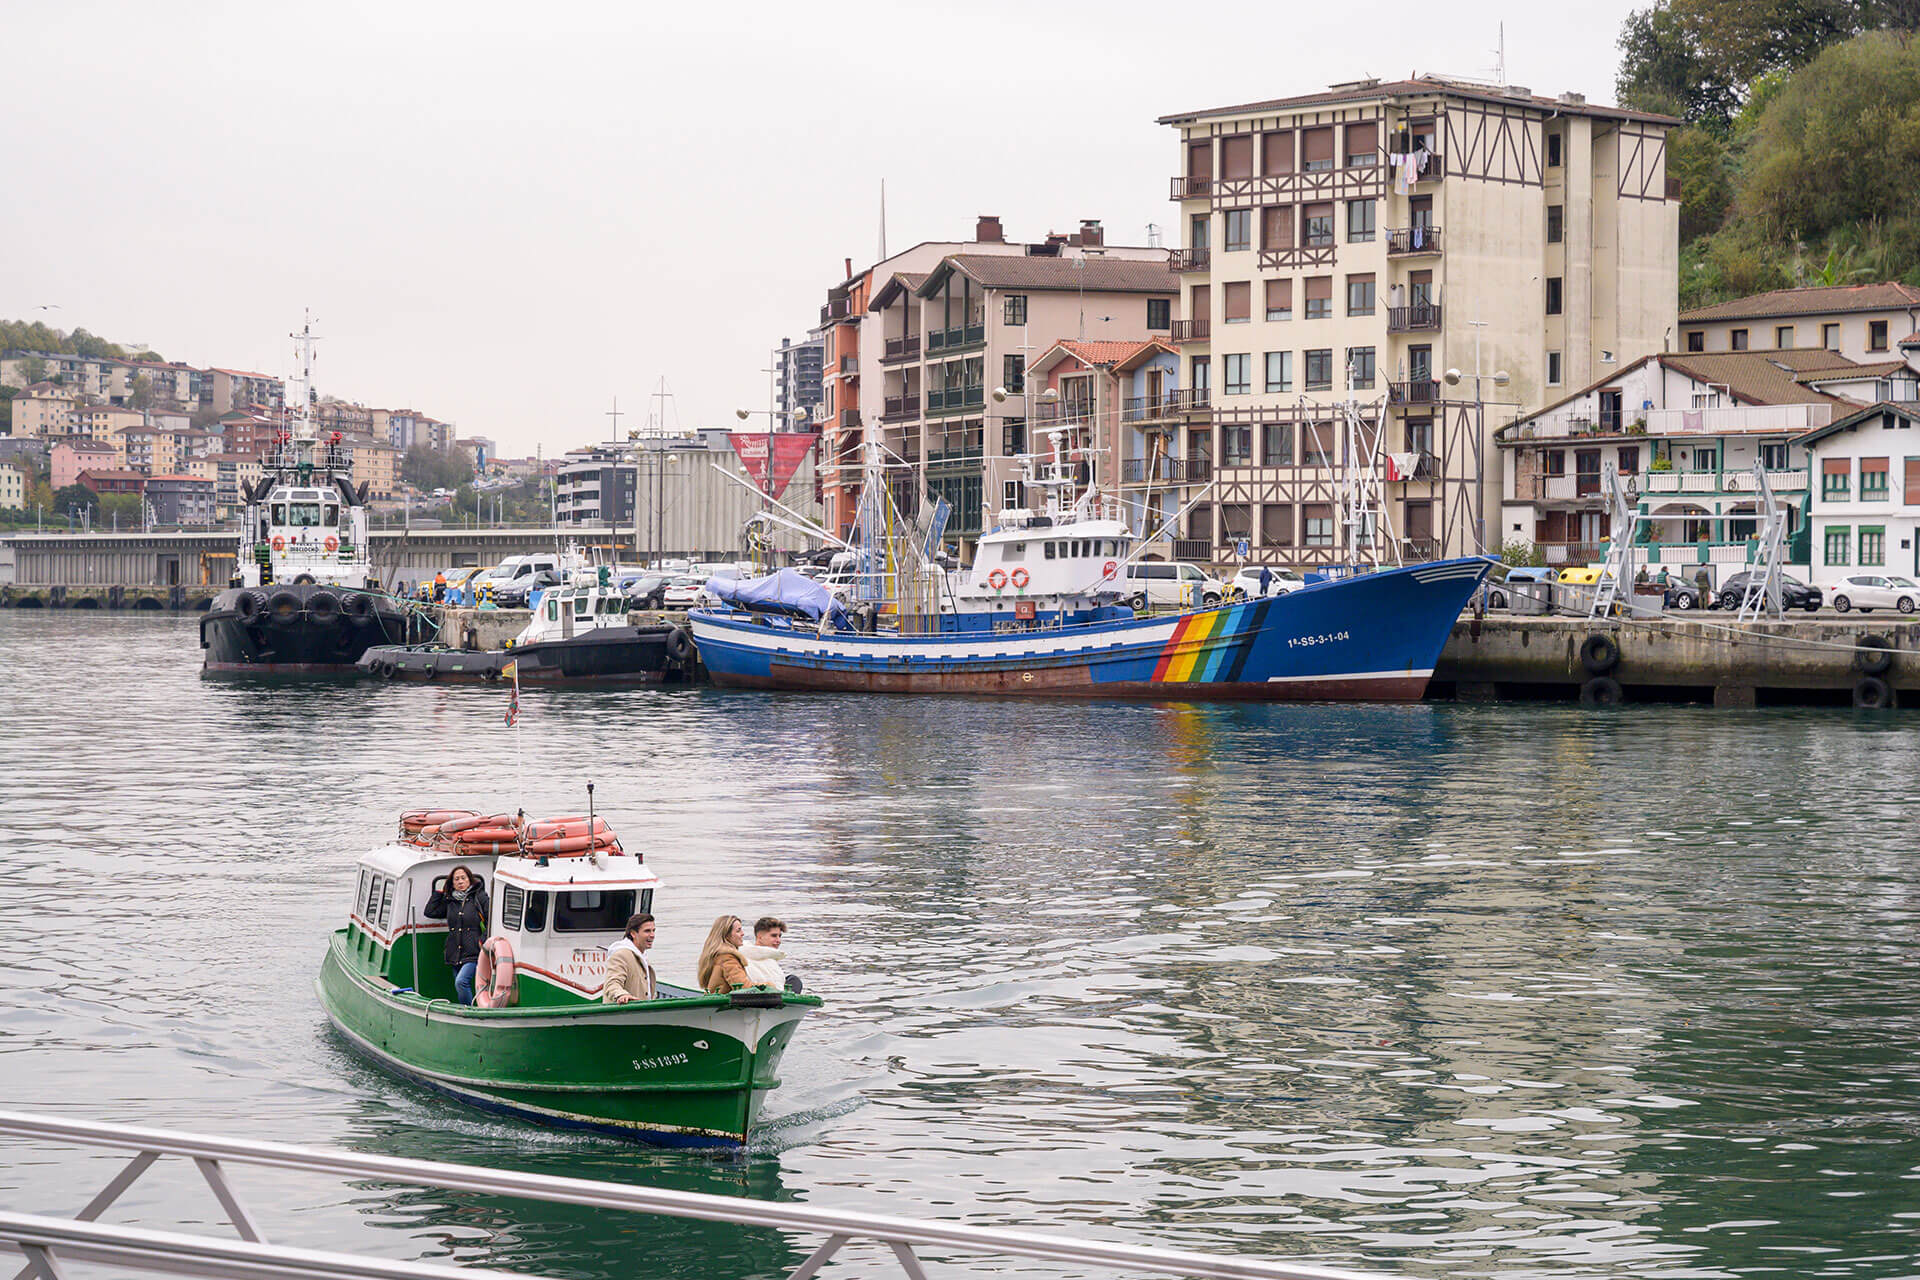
x: 1873, y: 546
x: 1013, y: 438
x: 1553, y: 368
x: 1276, y: 523
x: 1629, y: 460
x: 1279, y: 299
x: 1773, y: 457
x: 1360, y: 215
x: 1236, y: 302
x: 1553, y: 151
x: 1556, y: 223
x: 1013, y: 372
x: 1737, y: 340
x: 1201, y: 375
x: 1276, y: 154
x: 1553, y: 295
x: 1236, y: 444
x: 1839, y: 546
x: 1317, y: 517
x: 1319, y: 297
x: 1279, y: 371
x: 1236, y: 375
x: 1836, y: 479
x: 1317, y: 226
x: 1830, y: 337
x: 1010, y: 494
x: 1159, y: 313
x: 1014, y: 308
x: 1277, y: 448
x: 1876, y: 335
x: 1360, y: 361
x: 1360, y: 295
x: 1696, y: 340
x: 1199, y: 232
x: 1704, y: 459
x: 1419, y: 435
x: 1319, y: 369
x: 1556, y: 462
x: 1783, y: 337
x: 1316, y: 149
x: 1238, y: 230
x: 1873, y: 487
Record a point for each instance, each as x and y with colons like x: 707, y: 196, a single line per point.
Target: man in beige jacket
x: 629, y: 972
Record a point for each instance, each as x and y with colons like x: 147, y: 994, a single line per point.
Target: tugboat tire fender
x: 324, y: 606
x: 357, y: 605
x: 284, y: 608
x: 493, y: 979
x: 245, y: 604
x: 677, y: 644
x: 303, y: 579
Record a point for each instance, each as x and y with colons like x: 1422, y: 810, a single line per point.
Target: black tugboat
x: 304, y: 599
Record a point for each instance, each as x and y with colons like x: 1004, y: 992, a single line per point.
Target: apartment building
x: 1084, y: 392
x: 232, y: 474
x: 408, y: 427
x: 1684, y: 431
x: 1403, y: 235
x: 376, y: 464
x: 225, y: 390
x: 797, y: 370
x: 44, y: 410
x: 13, y: 487
x: 71, y: 456
x: 181, y: 499
x: 1865, y: 511
x: 1864, y: 322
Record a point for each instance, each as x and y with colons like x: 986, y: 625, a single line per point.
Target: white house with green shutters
x: 1865, y: 510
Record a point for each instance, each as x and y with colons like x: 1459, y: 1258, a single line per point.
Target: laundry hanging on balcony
x: 1401, y: 466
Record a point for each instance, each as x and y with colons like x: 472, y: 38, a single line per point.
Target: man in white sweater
x: 763, y: 956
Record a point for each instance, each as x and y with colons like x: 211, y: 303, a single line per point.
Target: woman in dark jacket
x: 461, y: 900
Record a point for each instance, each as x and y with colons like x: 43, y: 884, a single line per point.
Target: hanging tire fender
x: 1872, y: 655
x: 1599, y: 654
x: 1872, y: 693
x: 677, y: 644
x: 1602, y: 691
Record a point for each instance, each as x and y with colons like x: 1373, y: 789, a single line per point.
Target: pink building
x: 71, y: 457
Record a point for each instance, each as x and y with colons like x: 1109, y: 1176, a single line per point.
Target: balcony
x: 1200, y: 549
x: 849, y: 419
x: 1418, y: 391
x: 1192, y: 330
x: 1417, y: 550
x: 956, y: 338
x: 836, y: 309
x: 953, y: 398
x: 1189, y: 259
x: 1166, y: 407
x: 1063, y: 413
x: 1165, y: 470
x: 1420, y: 318
x: 899, y: 349
x: 849, y: 365
x: 900, y: 408
x: 1405, y: 242
x: 1190, y: 188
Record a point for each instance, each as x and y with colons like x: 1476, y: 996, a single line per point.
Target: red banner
x: 786, y: 449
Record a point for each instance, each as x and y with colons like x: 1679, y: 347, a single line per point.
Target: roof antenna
x: 1500, y: 58
x: 589, y: 809
x: 883, y: 220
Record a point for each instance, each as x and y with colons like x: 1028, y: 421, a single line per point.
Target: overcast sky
x: 506, y: 215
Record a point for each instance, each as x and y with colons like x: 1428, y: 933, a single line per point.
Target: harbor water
x: 1432, y: 990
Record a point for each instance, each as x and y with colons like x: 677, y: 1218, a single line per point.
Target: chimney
x: 987, y: 230
x: 849, y: 274
x: 1091, y: 236
x: 1574, y: 99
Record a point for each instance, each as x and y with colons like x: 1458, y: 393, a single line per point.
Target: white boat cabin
x: 559, y: 915
x: 565, y: 612
x: 305, y: 534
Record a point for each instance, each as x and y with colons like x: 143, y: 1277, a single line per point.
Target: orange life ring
x: 494, y: 986
x: 1108, y: 570
x: 1020, y: 578
x: 573, y: 846
x: 279, y: 543
x: 332, y: 543
x: 997, y: 579
x: 454, y: 826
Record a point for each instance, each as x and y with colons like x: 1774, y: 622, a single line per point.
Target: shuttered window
x: 1200, y: 160
x: 1873, y: 480
x: 1316, y: 149
x: 1318, y: 225
x: 1319, y: 442
x: 1276, y: 227
x: 1913, y: 482
x: 1276, y: 153
x: 1280, y: 302
x: 1361, y: 142
x: 1276, y: 520
x: 1237, y: 301
x: 1236, y: 520
x: 1319, y: 297
x: 1836, y: 478
x: 1236, y: 156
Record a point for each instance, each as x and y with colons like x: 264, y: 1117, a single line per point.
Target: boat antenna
x: 589, y: 808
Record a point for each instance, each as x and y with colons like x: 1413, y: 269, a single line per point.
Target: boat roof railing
x: 50, y: 1242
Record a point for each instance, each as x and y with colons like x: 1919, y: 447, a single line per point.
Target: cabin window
x: 279, y: 513
x: 386, y: 908
x: 1052, y: 549
x: 536, y: 918
x: 592, y: 910
x: 371, y: 911
x: 579, y: 608
x: 360, y: 894
x: 513, y: 906
x: 553, y: 611
x: 304, y: 515
x: 332, y: 517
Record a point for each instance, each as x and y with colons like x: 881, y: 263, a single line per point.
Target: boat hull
x: 297, y: 629
x: 606, y: 655
x: 1371, y: 638
x: 673, y: 1072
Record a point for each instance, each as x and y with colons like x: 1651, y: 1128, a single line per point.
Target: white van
x: 516, y: 567
x: 1159, y: 585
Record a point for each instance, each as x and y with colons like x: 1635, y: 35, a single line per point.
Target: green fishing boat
x: 685, y: 1069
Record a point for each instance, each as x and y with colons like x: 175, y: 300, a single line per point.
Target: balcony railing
x: 1402, y: 241
x: 901, y: 349
x: 836, y: 309
x: 1063, y: 413
x: 1165, y: 470
x: 1415, y: 319
x: 956, y: 337
x: 1419, y: 391
x: 849, y: 364
x: 900, y: 408
x: 1166, y: 406
x: 1418, y: 549
x: 1191, y: 330
x: 1193, y: 549
x: 1189, y: 259
x: 1190, y: 188
x: 955, y: 398
x: 849, y: 418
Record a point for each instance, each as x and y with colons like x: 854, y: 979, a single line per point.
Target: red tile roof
x: 1103, y: 352
x: 1822, y: 300
x: 1422, y: 86
x: 1097, y: 275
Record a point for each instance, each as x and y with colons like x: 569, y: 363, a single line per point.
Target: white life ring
x: 493, y: 979
x: 997, y: 579
x: 1020, y: 578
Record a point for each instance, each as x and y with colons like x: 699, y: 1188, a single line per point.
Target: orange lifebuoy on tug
x: 332, y: 543
x: 1020, y: 578
x: 279, y: 543
x: 997, y: 579
x: 493, y: 979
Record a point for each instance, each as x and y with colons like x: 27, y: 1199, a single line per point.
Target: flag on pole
x: 512, y: 672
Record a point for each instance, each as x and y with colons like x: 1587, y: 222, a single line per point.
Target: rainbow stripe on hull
x: 1374, y: 637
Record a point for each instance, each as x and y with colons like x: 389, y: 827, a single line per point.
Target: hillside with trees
x: 1800, y: 160
x: 24, y: 335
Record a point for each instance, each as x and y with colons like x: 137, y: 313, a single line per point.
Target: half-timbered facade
x: 1394, y: 238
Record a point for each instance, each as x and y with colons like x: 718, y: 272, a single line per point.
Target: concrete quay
x: 1704, y: 657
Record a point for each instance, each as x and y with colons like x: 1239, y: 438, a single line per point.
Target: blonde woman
x: 721, y: 969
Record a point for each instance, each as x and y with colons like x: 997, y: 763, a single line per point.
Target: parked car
x: 682, y: 592
x: 647, y: 590
x: 1160, y: 584
x: 1794, y: 594
x: 1682, y: 594
x: 518, y: 594
x: 1247, y: 582
x: 1869, y: 591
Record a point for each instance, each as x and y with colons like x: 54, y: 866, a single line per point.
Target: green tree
x: 73, y: 498
x: 82, y: 343
x: 1698, y: 158
x: 140, y: 393
x: 1663, y: 70
x: 32, y: 369
x: 127, y: 508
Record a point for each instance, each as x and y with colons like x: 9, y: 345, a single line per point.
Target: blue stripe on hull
x: 1386, y: 626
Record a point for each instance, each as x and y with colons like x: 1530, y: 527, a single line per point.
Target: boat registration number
x: 664, y: 1060
x: 1307, y: 642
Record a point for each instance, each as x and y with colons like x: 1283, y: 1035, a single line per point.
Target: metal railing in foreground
x: 49, y: 1242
